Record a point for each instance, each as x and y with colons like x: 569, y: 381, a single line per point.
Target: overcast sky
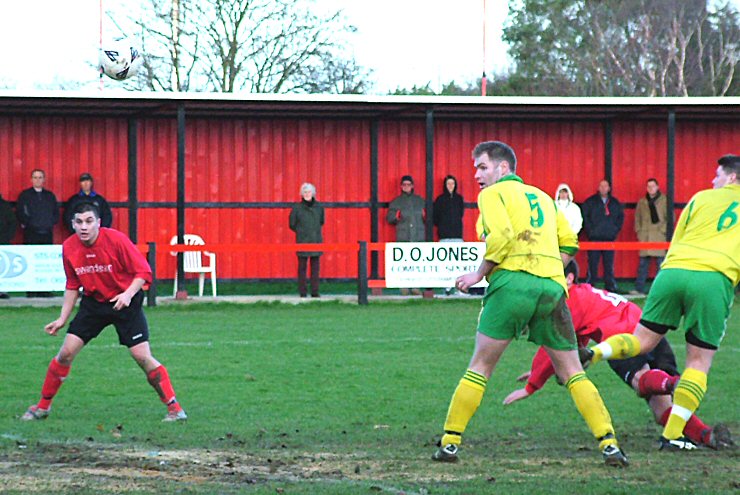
x: 405, y: 42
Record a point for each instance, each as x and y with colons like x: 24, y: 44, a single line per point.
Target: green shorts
x: 517, y: 303
x: 703, y: 299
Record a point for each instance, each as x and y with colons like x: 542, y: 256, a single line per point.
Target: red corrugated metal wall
x: 266, y: 160
x: 64, y: 148
x: 247, y: 161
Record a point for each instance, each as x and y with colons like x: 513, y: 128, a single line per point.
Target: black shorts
x: 661, y: 358
x: 93, y: 316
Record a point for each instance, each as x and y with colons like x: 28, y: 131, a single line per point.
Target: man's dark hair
x: 653, y: 179
x: 497, y: 152
x: 731, y: 164
x: 572, y: 267
x: 86, y: 206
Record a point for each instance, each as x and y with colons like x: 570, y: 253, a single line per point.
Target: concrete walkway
x: 21, y: 301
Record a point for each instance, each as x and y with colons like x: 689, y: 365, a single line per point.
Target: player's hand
x: 121, y: 301
x: 524, y: 376
x: 518, y: 394
x: 53, y: 327
x: 465, y: 282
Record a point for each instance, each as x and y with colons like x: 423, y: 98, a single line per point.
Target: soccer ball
x: 120, y: 60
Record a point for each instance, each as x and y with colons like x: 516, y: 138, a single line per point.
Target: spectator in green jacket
x: 407, y: 212
x: 306, y: 220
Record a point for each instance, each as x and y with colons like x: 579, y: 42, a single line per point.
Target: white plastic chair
x: 193, y: 263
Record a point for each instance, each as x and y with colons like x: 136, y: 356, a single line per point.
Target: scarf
x: 653, y: 210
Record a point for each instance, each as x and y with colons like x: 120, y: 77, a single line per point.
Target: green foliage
x: 626, y: 48
x: 324, y: 398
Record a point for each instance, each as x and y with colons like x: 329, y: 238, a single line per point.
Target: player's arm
x: 500, y: 236
x: 542, y: 370
x: 70, y: 298
x: 394, y: 213
x: 683, y: 220
x: 123, y: 299
x: 465, y: 282
x: 138, y: 266
x: 567, y: 239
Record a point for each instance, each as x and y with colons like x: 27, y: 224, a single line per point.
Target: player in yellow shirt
x: 696, y: 281
x: 527, y: 243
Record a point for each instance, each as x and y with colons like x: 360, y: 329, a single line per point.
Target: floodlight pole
x: 483, y: 79
x: 101, y: 44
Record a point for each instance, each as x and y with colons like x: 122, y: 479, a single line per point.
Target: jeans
x: 642, y: 271
x: 593, y: 269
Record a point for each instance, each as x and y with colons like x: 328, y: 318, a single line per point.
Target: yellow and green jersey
x: 707, y: 237
x: 524, y: 230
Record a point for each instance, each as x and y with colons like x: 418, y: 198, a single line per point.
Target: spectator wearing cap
x: 406, y: 212
x: 87, y: 195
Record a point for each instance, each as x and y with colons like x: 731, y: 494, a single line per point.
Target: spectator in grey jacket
x: 406, y: 212
x: 306, y: 220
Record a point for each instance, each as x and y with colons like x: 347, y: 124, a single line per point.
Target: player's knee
x: 65, y: 357
x: 635, y: 382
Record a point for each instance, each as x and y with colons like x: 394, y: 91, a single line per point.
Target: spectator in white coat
x: 564, y: 201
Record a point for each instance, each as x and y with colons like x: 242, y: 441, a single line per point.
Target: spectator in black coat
x: 7, y: 228
x: 37, y: 211
x: 87, y: 194
x: 603, y: 216
x: 449, y: 208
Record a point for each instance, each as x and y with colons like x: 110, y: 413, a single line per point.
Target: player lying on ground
x: 597, y: 315
x: 697, y: 280
x: 527, y: 242
x: 111, y: 272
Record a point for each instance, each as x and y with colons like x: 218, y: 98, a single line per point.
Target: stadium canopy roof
x: 132, y: 104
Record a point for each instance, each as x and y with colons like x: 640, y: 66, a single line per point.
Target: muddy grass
x: 104, y: 468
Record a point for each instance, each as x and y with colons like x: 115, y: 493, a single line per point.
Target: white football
x: 120, y: 60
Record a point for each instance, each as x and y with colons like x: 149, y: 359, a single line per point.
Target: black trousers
x: 31, y: 237
x: 302, y: 266
x: 593, y: 269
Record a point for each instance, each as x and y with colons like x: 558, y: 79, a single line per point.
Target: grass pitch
x: 326, y: 398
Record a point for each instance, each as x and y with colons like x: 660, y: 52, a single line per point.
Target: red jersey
x: 106, y: 268
x: 597, y: 315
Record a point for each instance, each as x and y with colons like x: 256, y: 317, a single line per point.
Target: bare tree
x: 263, y: 46
x: 170, y: 42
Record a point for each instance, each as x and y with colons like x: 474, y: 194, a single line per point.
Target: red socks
x: 695, y: 428
x: 656, y: 382
x: 55, y: 375
x: 160, y: 381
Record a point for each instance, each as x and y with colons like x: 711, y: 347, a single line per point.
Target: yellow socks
x: 688, y: 395
x: 620, y: 346
x: 592, y: 408
x: 464, y: 403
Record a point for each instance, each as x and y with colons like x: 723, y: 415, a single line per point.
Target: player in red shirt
x: 597, y: 315
x: 111, y: 272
